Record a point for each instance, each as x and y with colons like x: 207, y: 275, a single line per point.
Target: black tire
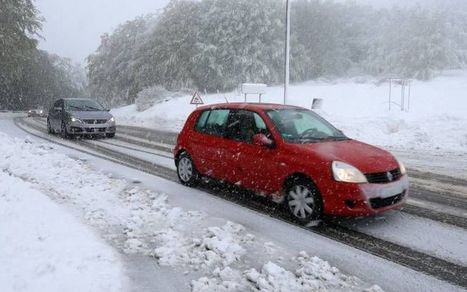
x: 110, y: 135
x: 49, y: 128
x: 186, y: 170
x: 303, y: 200
x: 64, y: 132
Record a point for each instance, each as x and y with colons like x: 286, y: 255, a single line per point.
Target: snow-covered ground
x: 196, y: 241
x: 436, y: 121
x: 44, y: 247
x: 41, y: 241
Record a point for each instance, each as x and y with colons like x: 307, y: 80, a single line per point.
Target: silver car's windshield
x: 303, y: 126
x: 83, y: 105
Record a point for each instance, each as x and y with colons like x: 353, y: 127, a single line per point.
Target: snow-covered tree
x: 28, y: 76
x: 239, y: 41
x: 166, y: 56
x: 412, y: 43
x: 19, y: 24
x: 111, y: 69
x: 215, y: 45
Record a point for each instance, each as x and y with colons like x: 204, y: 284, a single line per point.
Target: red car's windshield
x: 303, y: 126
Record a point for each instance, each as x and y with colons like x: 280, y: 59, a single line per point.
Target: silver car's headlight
x: 76, y: 120
x: 347, y: 173
x: 401, y: 167
x: 112, y: 120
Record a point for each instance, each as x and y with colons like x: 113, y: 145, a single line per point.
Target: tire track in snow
x: 421, y: 210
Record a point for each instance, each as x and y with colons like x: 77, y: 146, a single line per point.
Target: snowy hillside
x: 437, y: 118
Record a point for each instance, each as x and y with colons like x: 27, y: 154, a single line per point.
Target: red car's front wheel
x: 304, y: 201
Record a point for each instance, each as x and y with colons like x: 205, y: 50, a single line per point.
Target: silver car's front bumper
x: 91, y: 129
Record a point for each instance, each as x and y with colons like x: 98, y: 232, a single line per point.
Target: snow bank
x: 10, y: 115
x: 216, y: 254
x: 44, y: 247
x: 216, y: 247
x: 436, y: 120
x: 311, y: 274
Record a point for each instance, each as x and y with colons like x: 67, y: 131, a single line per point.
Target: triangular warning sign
x: 196, y: 99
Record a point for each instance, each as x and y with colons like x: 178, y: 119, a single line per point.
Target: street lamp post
x: 287, y: 50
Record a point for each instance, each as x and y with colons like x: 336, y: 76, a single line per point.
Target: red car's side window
x: 243, y: 125
x: 213, y: 122
x: 201, y: 122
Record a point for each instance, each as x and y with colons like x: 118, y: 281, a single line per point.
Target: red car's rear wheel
x: 186, y: 171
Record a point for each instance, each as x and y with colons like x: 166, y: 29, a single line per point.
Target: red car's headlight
x: 347, y: 173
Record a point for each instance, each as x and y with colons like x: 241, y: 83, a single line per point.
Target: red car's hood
x: 367, y: 158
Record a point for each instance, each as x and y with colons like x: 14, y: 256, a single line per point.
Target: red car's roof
x: 248, y: 105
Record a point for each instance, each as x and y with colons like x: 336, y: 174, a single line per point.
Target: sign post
x: 254, y: 88
x: 196, y: 99
x: 287, y: 51
x: 405, y: 93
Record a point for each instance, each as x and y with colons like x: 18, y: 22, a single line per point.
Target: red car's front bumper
x: 347, y: 199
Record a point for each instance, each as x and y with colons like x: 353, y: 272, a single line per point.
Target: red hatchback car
x: 291, y: 155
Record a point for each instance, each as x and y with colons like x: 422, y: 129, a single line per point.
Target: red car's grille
x: 377, y: 203
x: 384, y: 177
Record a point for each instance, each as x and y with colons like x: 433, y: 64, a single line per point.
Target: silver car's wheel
x: 304, y: 201
x: 64, y: 132
x: 49, y: 127
x: 186, y: 170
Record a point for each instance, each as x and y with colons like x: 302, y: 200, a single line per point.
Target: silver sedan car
x: 80, y: 116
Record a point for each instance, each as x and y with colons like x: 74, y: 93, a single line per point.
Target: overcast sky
x: 73, y: 27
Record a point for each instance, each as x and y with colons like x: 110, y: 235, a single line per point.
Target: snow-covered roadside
x: 435, y: 122
x: 212, y: 252
x: 42, y: 247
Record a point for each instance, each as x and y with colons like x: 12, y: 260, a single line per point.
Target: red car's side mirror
x: 262, y: 140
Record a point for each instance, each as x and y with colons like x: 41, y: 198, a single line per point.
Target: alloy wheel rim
x: 185, y: 169
x: 301, y: 201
